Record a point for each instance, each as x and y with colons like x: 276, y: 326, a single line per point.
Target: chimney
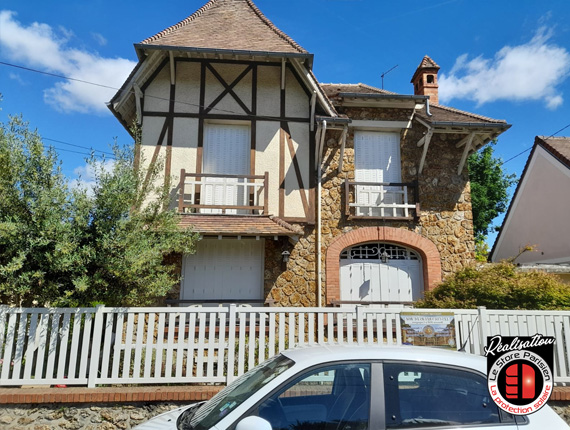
x: 425, y: 80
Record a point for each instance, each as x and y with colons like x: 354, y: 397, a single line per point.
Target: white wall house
x: 539, y: 214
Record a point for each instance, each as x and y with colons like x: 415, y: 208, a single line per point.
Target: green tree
x: 498, y: 286
x: 63, y: 245
x: 489, y: 190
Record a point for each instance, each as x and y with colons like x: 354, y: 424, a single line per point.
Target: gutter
x: 503, y: 126
x: 384, y: 96
x: 322, y: 129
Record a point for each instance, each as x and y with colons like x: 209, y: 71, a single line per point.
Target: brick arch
x: 431, y: 260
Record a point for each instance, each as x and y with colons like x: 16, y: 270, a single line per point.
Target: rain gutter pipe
x: 320, y: 146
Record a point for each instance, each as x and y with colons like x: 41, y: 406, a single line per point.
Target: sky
x: 503, y: 60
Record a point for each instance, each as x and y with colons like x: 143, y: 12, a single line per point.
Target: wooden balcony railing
x: 223, y: 194
x: 381, y: 200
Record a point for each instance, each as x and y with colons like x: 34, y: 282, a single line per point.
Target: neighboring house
x: 305, y: 194
x: 539, y: 214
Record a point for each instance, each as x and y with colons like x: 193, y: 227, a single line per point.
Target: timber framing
x: 247, y: 113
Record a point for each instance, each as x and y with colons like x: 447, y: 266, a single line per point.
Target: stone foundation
x: 102, y: 417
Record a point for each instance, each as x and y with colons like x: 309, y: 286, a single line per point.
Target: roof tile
x: 559, y: 147
x: 439, y: 113
x: 233, y: 225
x: 227, y: 24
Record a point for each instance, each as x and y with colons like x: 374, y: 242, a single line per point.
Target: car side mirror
x: 253, y: 423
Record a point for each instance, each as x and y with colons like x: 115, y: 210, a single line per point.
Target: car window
x: 328, y: 398
x: 423, y: 396
x: 235, y: 394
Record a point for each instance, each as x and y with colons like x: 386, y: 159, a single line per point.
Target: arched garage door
x: 380, y: 272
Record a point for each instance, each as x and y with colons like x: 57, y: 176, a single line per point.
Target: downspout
x: 320, y: 146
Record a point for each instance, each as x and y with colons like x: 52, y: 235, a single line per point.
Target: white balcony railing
x: 381, y: 200
x: 223, y: 194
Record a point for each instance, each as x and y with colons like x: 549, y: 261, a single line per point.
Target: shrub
x: 499, y: 286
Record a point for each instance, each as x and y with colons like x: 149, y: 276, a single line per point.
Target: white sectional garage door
x: 364, y: 277
x: 224, y: 270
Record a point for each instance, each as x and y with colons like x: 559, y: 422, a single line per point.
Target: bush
x: 498, y: 286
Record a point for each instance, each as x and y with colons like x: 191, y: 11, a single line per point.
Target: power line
x: 528, y: 149
x: 77, y: 146
x: 167, y: 99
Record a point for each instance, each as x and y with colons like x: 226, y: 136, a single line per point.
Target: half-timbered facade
x: 304, y: 194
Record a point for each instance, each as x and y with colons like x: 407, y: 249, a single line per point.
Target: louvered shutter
x: 377, y: 159
x: 226, y: 152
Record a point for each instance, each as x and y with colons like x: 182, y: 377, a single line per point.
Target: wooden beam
x: 283, y: 69
x: 172, y: 69
x: 342, y: 141
x: 138, y: 98
x: 313, y: 106
x: 465, y: 153
x: 229, y: 89
x: 427, y: 140
x: 297, y: 169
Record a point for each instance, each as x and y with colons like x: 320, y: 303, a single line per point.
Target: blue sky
x: 500, y: 59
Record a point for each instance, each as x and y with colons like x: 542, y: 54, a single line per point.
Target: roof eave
x: 142, y: 47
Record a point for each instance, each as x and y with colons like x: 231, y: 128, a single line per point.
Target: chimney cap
x: 426, y: 63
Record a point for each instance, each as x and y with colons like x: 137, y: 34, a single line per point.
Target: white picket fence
x: 94, y: 346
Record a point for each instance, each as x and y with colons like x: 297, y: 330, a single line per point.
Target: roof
x: 333, y: 90
x: 426, y: 63
x: 228, y: 25
x: 559, y: 147
x: 443, y: 114
x: 439, y: 113
x: 235, y: 225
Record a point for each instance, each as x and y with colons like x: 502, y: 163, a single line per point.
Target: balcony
x: 201, y: 193
x: 390, y: 201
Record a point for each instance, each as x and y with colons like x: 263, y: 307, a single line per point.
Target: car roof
x: 307, y: 356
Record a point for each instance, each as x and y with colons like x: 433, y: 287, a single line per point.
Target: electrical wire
x: 528, y: 149
x: 182, y: 102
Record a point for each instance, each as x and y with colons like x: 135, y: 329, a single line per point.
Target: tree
x: 498, y: 286
x: 63, y: 245
x: 489, y: 189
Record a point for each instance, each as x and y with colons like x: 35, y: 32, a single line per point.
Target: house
x: 305, y: 194
x: 539, y: 211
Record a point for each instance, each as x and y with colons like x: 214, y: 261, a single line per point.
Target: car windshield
x: 234, y: 394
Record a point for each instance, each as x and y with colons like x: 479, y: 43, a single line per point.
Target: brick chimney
x: 425, y: 80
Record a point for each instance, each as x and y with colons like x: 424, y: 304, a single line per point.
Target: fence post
x: 3, y: 320
x: 231, y: 343
x: 482, y: 311
x: 95, y: 347
x: 359, y: 324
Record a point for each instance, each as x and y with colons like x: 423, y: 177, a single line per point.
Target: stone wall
x: 105, y: 417
x: 445, y: 218
x: 87, y: 417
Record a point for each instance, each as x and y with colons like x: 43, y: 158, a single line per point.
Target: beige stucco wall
x: 267, y: 154
x: 539, y: 214
x: 187, y: 87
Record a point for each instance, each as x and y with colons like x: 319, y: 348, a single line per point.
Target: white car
x: 357, y: 388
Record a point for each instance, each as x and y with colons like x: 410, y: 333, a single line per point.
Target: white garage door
x: 224, y: 270
x: 365, y: 277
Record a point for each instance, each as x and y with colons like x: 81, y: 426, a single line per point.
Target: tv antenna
x: 385, y: 73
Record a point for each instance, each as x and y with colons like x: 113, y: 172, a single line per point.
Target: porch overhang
x: 236, y: 225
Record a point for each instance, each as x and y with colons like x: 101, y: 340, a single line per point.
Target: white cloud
x: 39, y: 45
x: 99, y: 38
x: 531, y: 71
x: 86, y: 174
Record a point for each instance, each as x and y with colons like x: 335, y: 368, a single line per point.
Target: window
x: 329, y: 398
x: 428, y: 396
